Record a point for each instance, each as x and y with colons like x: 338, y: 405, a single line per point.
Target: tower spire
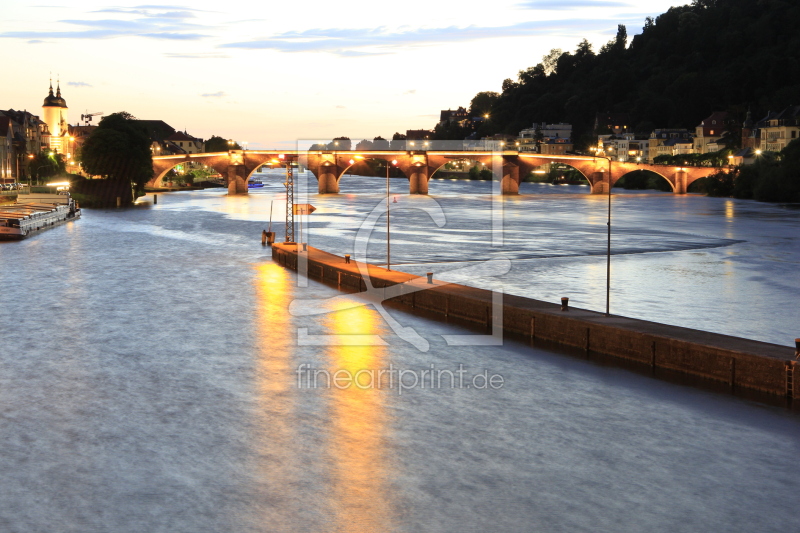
x: 58, y: 84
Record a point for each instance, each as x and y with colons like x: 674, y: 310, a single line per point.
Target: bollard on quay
x: 430, y: 278
x: 346, y: 258
x: 565, y: 304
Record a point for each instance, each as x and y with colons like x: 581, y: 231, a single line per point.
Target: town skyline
x: 186, y: 65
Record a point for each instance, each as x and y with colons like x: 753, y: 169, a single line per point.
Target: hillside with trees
x: 711, y: 55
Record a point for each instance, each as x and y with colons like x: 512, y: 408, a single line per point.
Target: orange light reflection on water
x: 276, y: 393
x: 359, y: 420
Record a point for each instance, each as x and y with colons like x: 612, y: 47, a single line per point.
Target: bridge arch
x: 463, y: 164
x: 628, y: 171
x: 549, y: 172
x: 163, y: 164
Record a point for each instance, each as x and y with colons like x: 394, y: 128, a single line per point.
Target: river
x: 153, y: 378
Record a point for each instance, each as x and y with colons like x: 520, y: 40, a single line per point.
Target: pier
x: 740, y: 363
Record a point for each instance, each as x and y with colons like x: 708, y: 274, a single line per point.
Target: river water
x: 152, y: 381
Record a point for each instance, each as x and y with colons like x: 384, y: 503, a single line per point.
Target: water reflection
x: 275, y: 390
x: 359, y: 420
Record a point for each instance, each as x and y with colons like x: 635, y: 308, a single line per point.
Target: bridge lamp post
x: 388, y: 242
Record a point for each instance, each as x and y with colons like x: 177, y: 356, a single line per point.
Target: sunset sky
x: 271, y: 73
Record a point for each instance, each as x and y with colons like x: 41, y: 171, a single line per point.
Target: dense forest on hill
x: 711, y: 55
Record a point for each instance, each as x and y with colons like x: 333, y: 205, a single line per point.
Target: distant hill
x: 712, y: 55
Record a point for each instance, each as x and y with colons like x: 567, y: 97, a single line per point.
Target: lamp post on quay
x: 388, y: 244
x: 598, y: 151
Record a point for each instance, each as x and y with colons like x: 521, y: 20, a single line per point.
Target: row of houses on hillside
x: 616, y: 137
x: 714, y: 133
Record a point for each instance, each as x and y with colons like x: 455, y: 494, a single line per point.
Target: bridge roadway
x: 509, y: 166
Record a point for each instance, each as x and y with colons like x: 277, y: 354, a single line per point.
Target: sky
x: 270, y: 74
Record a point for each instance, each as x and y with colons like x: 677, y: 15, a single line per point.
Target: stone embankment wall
x: 741, y: 363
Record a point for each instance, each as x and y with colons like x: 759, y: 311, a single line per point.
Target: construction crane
x: 87, y: 118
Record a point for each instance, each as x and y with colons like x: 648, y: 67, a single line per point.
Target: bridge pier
x: 326, y: 179
x: 237, y: 179
x: 509, y: 184
x: 418, y: 180
x: 681, y: 180
x: 600, y: 183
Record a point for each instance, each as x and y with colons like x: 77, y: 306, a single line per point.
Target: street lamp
x: 608, y: 249
x: 388, y: 244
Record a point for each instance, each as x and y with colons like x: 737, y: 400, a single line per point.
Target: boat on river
x: 36, y: 212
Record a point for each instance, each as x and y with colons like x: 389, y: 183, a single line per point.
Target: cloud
x: 340, y: 107
x: 410, y: 91
x: 199, y: 55
x: 36, y: 41
x: 152, y: 22
x: 174, y: 36
x: 218, y: 94
x: 343, y: 41
x: 78, y: 84
x: 358, y: 53
x: 570, y: 4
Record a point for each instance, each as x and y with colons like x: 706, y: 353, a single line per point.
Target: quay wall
x: 738, y: 362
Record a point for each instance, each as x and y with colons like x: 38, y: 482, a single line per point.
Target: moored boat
x: 35, y: 212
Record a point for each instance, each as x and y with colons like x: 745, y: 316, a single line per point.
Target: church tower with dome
x: 55, y: 113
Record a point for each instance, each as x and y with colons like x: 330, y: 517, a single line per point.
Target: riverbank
x: 737, y: 362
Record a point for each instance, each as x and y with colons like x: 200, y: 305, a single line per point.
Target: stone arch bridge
x: 509, y: 167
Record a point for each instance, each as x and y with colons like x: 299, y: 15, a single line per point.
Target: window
x: 794, y: 134
x: 711, y: 132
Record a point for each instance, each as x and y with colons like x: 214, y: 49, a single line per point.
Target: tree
x: 365, y: 144
x: 340, y: 143
x: 550, y: 61
x: 218, y: 144
x: 398, y: 142
x: 46, y: 164
x: 538, y: 138
x: 482, y: 103
x: 379, y: 143
x: 119, y: 149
